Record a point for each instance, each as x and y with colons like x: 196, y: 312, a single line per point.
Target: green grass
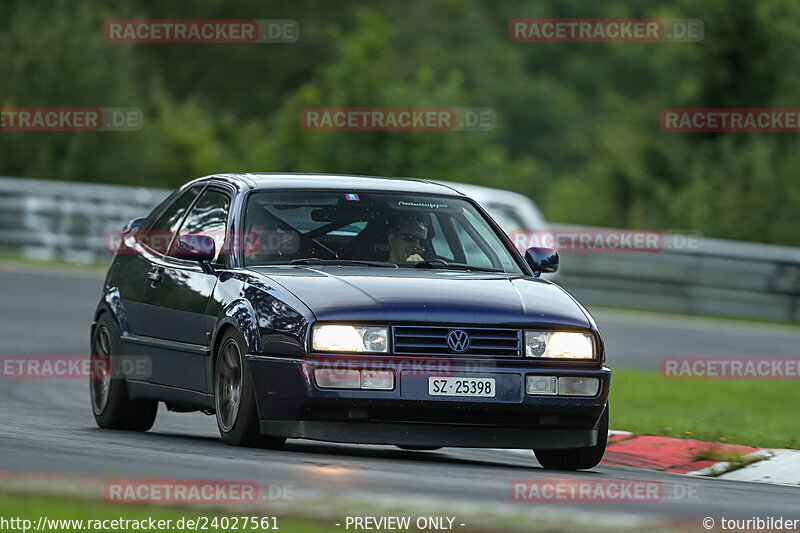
x: 32, y: 506
x: 735, y: 458
x: 56, y: 264
x: 756, y: 413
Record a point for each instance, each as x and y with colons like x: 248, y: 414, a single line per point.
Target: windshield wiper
x: 340, y: 262
x: 438, y: 263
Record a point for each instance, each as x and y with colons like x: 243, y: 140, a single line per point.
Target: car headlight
x: 338, y: 338
x: 559, y: 345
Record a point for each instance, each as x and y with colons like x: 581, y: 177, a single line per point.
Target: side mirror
x: 132, y: 226
x: 195, y: 248
x: 542, y: 260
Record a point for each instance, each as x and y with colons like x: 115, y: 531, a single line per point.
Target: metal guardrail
x: 719, y: 278
x: 67, y: 221
x: 64, y: 220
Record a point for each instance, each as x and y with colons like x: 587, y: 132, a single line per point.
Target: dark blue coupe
x: 347, y: 309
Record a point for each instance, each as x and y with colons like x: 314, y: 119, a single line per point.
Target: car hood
x: 427, y: 296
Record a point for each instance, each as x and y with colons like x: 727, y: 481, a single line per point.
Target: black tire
x: 577, y: 458
x: 111, y: 405
x: 238, y: 424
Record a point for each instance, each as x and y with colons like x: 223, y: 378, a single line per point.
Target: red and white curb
x: 667, y: 454
x: 679, y: 456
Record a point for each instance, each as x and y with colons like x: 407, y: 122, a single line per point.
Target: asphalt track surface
x: 46, y: 426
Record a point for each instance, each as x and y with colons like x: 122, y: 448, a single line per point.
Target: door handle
x: 155, y: 275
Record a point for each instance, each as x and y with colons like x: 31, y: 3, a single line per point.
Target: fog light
x: 541, y: 385
x: 328, y: 378
x: 574, y: 386
x: 377, y: 379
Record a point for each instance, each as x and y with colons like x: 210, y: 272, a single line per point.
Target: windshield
x: 390, y: 229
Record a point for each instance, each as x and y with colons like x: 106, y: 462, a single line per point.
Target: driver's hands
x: 415, y: 257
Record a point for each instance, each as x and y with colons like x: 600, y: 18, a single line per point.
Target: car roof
x: 272, y: 181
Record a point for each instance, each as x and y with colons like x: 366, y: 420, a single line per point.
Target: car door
x: 133, y: 264
x: 178, y: 294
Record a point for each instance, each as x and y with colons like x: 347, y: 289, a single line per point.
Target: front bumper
x: 290, y: 404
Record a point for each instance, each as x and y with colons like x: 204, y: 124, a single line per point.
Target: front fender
x: 111, y: 303
x: 241, y: 315
x: 269, y: 323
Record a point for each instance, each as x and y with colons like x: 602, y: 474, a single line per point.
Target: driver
x: 408, y: 237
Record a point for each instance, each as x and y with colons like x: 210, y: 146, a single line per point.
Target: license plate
x: 480, y: 387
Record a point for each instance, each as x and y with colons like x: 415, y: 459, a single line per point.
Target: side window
x: 209, y: 216
x: 151, y: 217
x: 157, y: 234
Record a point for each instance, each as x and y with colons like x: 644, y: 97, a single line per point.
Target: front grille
x: 432, y: 340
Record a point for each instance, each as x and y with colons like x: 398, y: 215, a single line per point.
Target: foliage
x: 577, y: 123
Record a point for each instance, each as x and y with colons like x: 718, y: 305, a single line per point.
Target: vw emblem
x: 458, y: 340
